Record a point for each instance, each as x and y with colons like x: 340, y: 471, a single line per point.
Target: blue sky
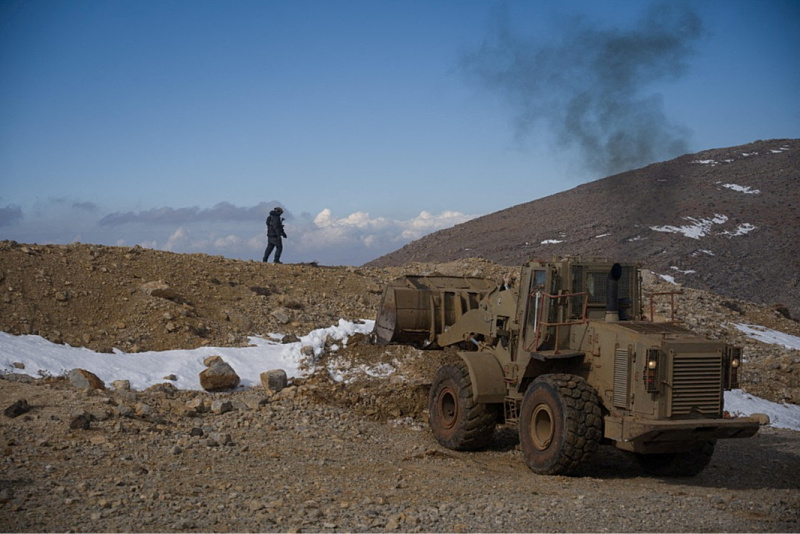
x: 178, y: 124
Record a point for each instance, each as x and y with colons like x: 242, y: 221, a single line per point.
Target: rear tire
x: 560, y: 425
x: 457, y: 421
x: 678, y: 464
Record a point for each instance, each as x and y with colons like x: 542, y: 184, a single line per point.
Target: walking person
x: 274, y: 234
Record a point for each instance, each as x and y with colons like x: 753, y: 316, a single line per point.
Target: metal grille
x: 697, y: 384
x: 621, y: 378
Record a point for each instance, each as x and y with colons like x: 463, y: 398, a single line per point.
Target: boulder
x: 83, y: 379
x: 219, y: 377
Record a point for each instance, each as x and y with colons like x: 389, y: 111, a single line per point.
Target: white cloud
x: 361, y: 235
x: 178, y: 237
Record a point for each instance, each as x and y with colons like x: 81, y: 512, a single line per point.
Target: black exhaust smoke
x: 594, y: 88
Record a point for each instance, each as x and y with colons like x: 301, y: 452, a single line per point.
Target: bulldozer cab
x: 569, y: 292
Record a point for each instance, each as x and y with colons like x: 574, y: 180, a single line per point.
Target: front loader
x: 567, y: 355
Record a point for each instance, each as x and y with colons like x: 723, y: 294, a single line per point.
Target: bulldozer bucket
x: 415, y: 309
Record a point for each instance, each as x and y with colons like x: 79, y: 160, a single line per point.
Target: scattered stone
x: 18, y: 365
x: 220, y: 407
x: 198, y: 404
x: 6, y: 495
x: 121, y: 385
x: 281, y: 316
x: 220, y: 438
x: 164, y: 389
x: 289, y: 338
x: 275, y: 380
x: 18, y: 408
x: 81, y: 421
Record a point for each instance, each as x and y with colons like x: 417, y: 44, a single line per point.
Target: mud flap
x: 486, y: 374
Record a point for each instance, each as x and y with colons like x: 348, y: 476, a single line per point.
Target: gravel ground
x: 165, y: 460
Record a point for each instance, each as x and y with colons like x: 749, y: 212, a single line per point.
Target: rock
x: 220, y: 407
x: 219, y: 377
x: 275, y: 380
x: 18, y: 408
x: 762, y: 418
x: 161, y: 290
x: 121, y: 385
x: 83, y: 379
x: 18, y: 365
x: 81, y: 421
x: 164, y: 389
x: 281, y: 316
x: 211, y: 360
x: 198, y: 404
x: 143, y: 410
x: 220, y: 438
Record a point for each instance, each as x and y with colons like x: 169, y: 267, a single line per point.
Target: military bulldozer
x: 567, y: 355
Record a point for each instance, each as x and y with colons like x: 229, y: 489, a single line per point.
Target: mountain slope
x: 726, y: 220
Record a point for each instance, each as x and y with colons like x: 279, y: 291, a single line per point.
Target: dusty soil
x: 322, y: 455
x: 148, y: 463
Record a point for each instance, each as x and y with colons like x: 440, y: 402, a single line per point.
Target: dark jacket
x: 275, y: 225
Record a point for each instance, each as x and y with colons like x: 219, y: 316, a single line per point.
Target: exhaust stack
x: 612, y: 293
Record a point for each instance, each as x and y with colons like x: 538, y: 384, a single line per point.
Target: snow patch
x: 742, y: 189
x: 668, y: 278
x: 766, y: 335
x: 739, y: 403
x: 699, y: 227
x: 40, y: 357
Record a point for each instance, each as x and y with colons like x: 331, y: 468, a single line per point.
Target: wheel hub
x: 448, y: 407
x: 542, y: 427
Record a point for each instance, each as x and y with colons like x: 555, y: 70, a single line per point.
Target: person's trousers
x: 274, y: 243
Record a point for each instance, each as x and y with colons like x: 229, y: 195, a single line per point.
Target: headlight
x: 651, y: 378
x: 732, y: 360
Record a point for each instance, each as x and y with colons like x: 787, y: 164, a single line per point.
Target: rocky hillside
x: 725, y: 220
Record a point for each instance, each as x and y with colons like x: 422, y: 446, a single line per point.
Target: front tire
x: 457, y: 421
x: 560, y: 424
